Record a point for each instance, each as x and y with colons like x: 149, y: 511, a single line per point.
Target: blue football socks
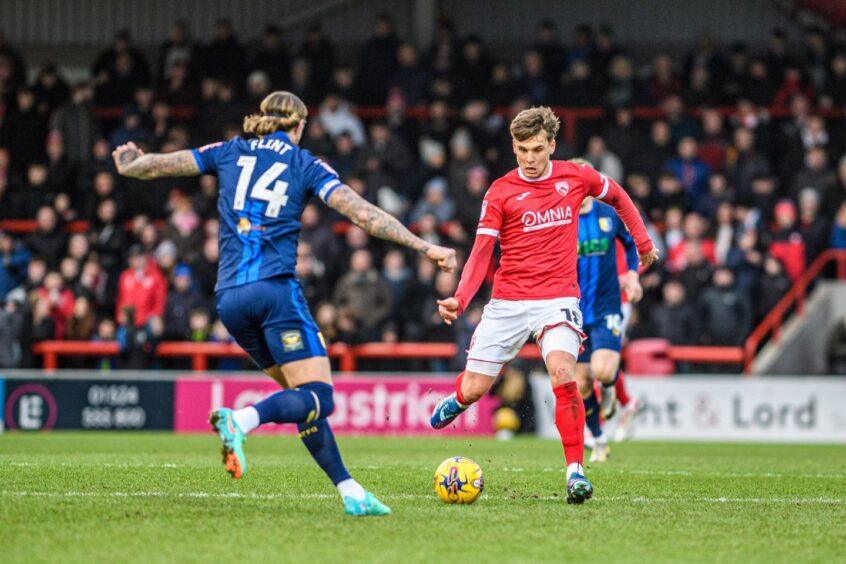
x: 320, y: 442
x: 304, y: 404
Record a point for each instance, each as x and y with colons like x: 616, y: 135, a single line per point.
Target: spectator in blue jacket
x: 14, y: 259
x: 691, y: 171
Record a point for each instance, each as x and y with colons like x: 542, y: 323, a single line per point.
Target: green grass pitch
x: 121, y: 497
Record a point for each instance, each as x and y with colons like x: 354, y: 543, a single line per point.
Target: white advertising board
x: 689, y: 408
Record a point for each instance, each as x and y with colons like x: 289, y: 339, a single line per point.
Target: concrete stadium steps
x: 804, y: 339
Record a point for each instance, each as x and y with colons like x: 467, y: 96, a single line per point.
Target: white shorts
x: 506, y: 325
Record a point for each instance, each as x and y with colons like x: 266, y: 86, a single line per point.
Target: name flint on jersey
x: 277, y: 145
x: 533, y: 221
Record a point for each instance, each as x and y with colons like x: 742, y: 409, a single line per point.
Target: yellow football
x: 459, y: 480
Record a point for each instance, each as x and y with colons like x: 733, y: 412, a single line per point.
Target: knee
x: 324, y: 399
x: 562, y: 375
x: 604, y: 372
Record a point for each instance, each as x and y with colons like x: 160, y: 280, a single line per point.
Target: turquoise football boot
x: 578, y: 489
x: 223, y: 422
x: 364, y: 507
x: 446, y: 411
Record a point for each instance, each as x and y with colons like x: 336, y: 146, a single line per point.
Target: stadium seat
x: 649, y: 356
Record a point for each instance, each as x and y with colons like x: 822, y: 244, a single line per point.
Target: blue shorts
x: 271, y: 321
x: 604, y: 333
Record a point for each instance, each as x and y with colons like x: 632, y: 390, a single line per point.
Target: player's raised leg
x: 308, y: 404
x: 501, y: 333
x: 235, y: 308
x: 469, y: 388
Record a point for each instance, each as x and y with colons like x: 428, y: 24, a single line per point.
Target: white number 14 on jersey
x: 275, y: 197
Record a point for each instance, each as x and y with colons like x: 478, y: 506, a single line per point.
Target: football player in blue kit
x: 599, y: 230
x: 265, y: 182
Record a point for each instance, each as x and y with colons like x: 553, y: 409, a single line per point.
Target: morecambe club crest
x: 562, y: 188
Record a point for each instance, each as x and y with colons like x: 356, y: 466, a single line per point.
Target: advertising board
x: 44, y: 404
x: 363, y: 405
x: 779, y: 409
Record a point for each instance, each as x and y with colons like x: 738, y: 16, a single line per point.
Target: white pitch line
x: 74, y: 494
x: 303, y: 496
x: 703, y: 474
x: 26, y: 464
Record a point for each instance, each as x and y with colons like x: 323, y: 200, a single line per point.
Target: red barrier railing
x: 705, y: 355
x: 21, y: 226
x: 772, y: 323
x: 30, y: 226
x: 347, y: 355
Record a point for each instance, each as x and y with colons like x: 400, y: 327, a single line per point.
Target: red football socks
x: 458, y: 395
x: 622, y: 393
x: 570, y: 420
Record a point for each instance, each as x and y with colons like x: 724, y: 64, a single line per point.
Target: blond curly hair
x: 280, y: 111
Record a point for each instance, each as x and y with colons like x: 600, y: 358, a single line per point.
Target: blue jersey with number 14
x: 264, y: 184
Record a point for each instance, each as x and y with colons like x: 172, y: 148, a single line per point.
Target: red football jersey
x: 537, y: 224
x: 536, y: 221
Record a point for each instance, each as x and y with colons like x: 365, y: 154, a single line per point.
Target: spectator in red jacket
x: 787, y: 243
x: 60, y: 300
x: 141, y: 287
x: 694, y: 228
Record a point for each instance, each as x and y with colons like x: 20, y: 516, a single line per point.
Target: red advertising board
x: 363, y: 405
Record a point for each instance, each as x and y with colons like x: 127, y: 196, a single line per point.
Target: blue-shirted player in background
x: 599, y: 230
x: 265, y: 183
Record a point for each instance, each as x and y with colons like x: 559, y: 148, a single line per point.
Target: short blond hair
x: 280, y: 111
x: 532, y: 121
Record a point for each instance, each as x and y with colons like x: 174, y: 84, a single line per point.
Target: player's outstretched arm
x: 383, y: 225
x: 471, y: 278
x: 133, y: 162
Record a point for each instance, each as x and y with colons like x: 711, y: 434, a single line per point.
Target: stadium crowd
x: 738, y: 198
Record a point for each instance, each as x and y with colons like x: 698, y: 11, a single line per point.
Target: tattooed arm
x: 133, y: 162
x: 383, y: 225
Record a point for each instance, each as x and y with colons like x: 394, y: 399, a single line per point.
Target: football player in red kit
x: 534, y: 212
